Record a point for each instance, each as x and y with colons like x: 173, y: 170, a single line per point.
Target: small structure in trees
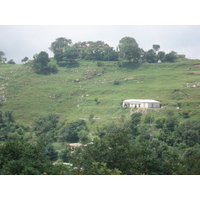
x: 180, y: 55
x: 140, y: 103
x: 74, y: 145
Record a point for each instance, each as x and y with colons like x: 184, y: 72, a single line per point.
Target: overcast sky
x: 18, y: 41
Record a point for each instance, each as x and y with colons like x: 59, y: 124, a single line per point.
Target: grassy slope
x: 30, y: 95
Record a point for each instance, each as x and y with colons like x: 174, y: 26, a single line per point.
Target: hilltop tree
x: 109, y: 54
x: 170, y: 57
x: 96, y: 51
x: 128, y: 49
x: 156, y: 47
x: 11, y: 62
x: 42, y: 64
x: 161, y: 55
x: 150, y: 56
x: 42, y: 58
x: 2, y: 58
x: 25, y: 59
x: 66, y: 56
x: 127, y: 40
x: 60, y: 44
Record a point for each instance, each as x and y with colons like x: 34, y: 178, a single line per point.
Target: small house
x: 140, y: 103
x: 180, y: 55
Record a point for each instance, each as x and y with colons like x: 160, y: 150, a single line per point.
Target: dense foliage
x: 126, y: 149
x: 23, y: 158
x: 2, y: 58
x: 11, y: 62
x: 42, y: 64
x: 66, y: 53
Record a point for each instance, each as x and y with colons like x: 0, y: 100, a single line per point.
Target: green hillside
x: 89, y: 89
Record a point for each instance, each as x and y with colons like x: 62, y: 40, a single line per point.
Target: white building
x: 140, y: 103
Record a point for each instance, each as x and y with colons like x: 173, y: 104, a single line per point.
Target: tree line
x: 128, y: 48
x: 130, y: 147
x: 66, y: 54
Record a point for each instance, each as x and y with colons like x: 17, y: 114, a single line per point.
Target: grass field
x: 87, y: 89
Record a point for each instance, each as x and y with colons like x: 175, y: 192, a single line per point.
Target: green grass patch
x: 71, y: 92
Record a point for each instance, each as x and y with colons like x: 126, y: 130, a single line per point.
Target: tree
x: 130, y: 51
x: 9, y: 128
x: 50, y: 152
x: 189, y: 132
x: 161, y: 55
x: 128, y: 48
x: 66, y: 56
x: 2, y: 58
x: 120, y: 151
x: 64, y: 154
x: 22, y: 158
x: 70, y: 54
x: 42, y: 64
x: 44, y: 127
x: 70, y: 132
x: 127, y: 40
x: 98, y: 169
x: 156, y: 47
x: 60, y: 44
x: 96, y: 51
x: 42, y: 58
x: 170, y: 57
x: 11, y: 62
x: 25, y: 59
x: 134, y: 122
x: 109, y: 54
x: 150, y: 56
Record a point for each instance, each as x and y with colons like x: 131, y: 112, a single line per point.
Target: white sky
x: 27, y: 31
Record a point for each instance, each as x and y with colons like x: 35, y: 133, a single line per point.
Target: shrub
x: 116, y: 82
x: 42, y: 64
x: 99, y: 64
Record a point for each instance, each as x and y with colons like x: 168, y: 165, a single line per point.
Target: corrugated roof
x: 140, y: 101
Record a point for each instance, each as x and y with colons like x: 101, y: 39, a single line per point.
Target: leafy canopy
x: 60, y: 44
x: 129, y: 49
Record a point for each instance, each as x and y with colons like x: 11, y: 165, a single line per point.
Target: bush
x: 22, y: 158
x: 11, y: 62
x: 70, y: 132
x: 160, y: 122
x: 64, y: 155
x: 42, y: 64
x: 96, y: 100
x: 50, y: 152
x: 116, y: 82
x: 99, y: 64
